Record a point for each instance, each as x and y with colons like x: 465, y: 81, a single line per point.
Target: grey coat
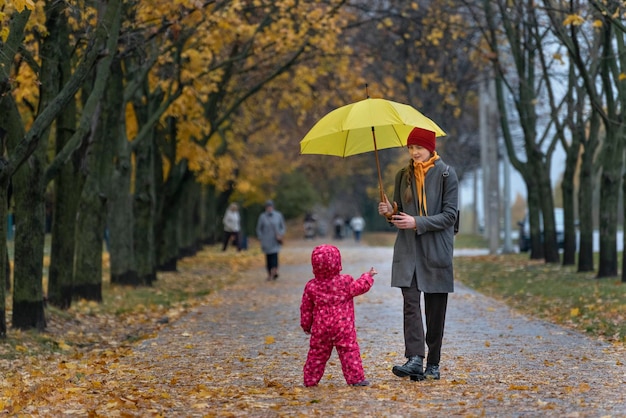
x: 427, y: 251
x: 269, y: 225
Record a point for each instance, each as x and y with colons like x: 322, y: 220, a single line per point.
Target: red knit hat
x: 423, y: 138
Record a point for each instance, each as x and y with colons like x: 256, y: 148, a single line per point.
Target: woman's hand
x: 387, y: 209
x: 373, y: 272
x: 384, y: 207
x: 403, y: 221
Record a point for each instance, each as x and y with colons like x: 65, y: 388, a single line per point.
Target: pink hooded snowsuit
x: 327, y: 313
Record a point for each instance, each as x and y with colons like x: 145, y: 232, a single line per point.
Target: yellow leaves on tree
x: 224, y: 35
x: 435, y: 36
x: 574, y: 20
x: 131, y: 122
x: 20, y: 5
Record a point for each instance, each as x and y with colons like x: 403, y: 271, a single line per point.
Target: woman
x: 426, y: 192
x: 270, y: 230
x: 232, y: 225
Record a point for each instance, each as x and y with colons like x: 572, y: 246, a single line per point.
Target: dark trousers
x: 435, y: 305
x: 271, y: 262
x: 228, y: 236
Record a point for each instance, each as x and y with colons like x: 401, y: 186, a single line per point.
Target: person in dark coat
x: 426, y: 195
x: 270, y: 230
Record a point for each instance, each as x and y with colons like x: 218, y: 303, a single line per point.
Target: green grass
x: 470, y: 241
x: 550, y: 291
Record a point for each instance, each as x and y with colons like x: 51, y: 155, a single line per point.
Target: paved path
x: 242, y: 354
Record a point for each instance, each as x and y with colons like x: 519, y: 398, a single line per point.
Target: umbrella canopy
x: 353, y: 129
x: 364, y: 126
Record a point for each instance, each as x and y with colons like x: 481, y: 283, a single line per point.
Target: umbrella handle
x: 380, y: 179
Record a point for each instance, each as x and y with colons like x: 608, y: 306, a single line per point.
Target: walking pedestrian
x: 357, y: 224
x: 327, y: 314
x: 338, y: 224
x: 426, y: 192
x: 270, y: 230
x: 309, y: 226
x: 232, y: 226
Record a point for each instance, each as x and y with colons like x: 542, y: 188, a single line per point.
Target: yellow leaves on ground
x: 230, y: 371
x: 520, y: 387
x: 81, y: 351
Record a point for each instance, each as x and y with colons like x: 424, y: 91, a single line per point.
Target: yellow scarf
x: 420, y: 169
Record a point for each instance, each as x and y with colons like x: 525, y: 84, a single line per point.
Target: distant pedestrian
x: 232, y: 226
x: 426, y: 192
x: 309, y: 226
x: 357, y: 224
x: 338, y: 225
x: 270, y: 230
x: 327, y: 314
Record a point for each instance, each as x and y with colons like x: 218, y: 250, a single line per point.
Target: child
x: 327, y: 314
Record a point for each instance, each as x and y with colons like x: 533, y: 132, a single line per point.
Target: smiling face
x: 418, y: 153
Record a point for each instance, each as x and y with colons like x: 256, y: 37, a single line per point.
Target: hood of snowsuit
x: 326, y: 261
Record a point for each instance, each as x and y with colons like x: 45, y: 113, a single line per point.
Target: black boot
x: 414, y: 368
x: 432, y: 371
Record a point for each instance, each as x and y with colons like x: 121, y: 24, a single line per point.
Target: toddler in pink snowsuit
x: 327, y: 314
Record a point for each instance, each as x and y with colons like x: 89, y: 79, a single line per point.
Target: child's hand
x: 373, y: 272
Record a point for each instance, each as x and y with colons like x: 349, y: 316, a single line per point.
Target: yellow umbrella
x: 364, y: 126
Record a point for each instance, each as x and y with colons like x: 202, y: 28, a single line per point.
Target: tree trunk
x: 11, y: 131
x: 167, y: 232
x: 120, y: 219
x: 28, y: 192
x: 91, y: 220
x: 586, y: 196
x: 104, y: 109
x: 534, y: 216
x: 167, y: 240
x: 611, y: 159
x: 28, y: 307
x: 188, y: 219
x: 67, y: 187
x: 144, y: 209
x: 89, y: 235
x: 67, y: 190
x: 4, y: 261
x: 609, y: 198
x: 214, y: 226
x: 624, y: 235
x: 576, y: 120
x: 551, y: 250
x: 168, y: 202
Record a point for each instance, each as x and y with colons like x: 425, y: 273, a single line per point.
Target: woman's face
x: 418, y: 153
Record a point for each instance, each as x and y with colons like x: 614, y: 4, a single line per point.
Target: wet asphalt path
x: 245, y: 347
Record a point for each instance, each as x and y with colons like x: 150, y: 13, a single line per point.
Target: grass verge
x: 558, y: 294
x: 551, y: 292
